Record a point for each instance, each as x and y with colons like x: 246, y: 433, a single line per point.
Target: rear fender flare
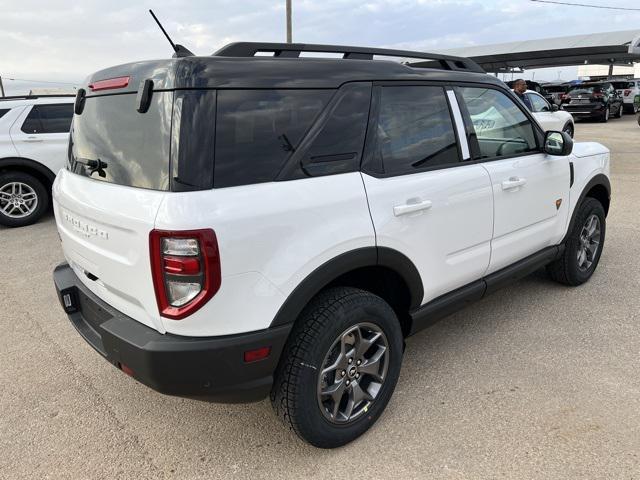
x: 345, y: 263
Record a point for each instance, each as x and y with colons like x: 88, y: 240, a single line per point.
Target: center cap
x: 353, y: 371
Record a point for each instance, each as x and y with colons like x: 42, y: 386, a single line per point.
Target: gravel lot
x: 537, y: 381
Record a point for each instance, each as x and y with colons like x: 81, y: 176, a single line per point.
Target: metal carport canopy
x: 617, y: 48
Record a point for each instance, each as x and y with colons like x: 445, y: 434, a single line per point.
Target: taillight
x: 109, y: 84
x: 627, y: 93
x: 565, y: 97
x: 598, y: 96
x: 185, y: 266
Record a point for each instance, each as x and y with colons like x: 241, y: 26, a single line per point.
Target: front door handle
x: 32, y: 139
x: 513, y: 182
x: 411, y: 207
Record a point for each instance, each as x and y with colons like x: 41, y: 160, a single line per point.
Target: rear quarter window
x: 258, y: 130
x: 53, y: 118
x: 3, y: 111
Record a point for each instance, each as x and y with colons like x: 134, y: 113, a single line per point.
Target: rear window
x: 586, y: 89
x: 555, y: 88
x: 133, y: 148
x: 621, y: 85
x: 3, y: 111
x: 48, y: 119
x: 258, y: 130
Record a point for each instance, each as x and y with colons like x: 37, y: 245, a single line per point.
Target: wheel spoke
x: 372, y: 365
x: 365, y: 344
x: 582, y: 256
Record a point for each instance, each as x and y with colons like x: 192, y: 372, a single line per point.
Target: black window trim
x: 537, y: 130
x: 374, y: 167
x: 70, y: 104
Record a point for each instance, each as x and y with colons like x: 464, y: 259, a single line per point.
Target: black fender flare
x: 599, y: 179
x: 26, y: 163
x: 345, y: 263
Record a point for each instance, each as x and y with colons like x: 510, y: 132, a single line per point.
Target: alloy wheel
x: 17, y: 200
x: 353, y: 373
x: 588, y: 243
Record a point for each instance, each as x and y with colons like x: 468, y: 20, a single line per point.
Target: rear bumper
x: 207, y: 368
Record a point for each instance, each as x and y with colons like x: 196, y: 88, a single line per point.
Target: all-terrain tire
x: 566, y: 269
x: 295, y: 393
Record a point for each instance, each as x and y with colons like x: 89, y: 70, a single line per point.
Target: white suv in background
x: 34, y: 137
x: 241, y: 227
x: 629, y: 91
x: 549, y: 115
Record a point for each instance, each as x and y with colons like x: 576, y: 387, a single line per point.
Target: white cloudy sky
x: 63, y: 41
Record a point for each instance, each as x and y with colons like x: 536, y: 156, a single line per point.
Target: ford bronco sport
x: 242, y: 225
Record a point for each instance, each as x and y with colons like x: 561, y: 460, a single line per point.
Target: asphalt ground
x: 536, y: 381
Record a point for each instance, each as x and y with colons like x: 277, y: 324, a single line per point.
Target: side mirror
x: 554, y: 107
x: 558, y: 143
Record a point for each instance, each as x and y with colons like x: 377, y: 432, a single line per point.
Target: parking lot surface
x: 536, y: 381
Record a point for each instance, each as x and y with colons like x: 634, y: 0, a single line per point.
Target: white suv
x: 34, y: 137
x: 240, y: 225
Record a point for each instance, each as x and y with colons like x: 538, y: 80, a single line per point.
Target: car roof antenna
x: 179, y: 50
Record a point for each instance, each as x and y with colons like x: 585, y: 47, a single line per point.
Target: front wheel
x: 23, y: 199
x: 583, y: 246
x: 606, y: 114
x: 569, y: 129
x: 339, y: 367
x: 620, y: 111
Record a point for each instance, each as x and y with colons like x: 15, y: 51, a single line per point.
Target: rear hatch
x: 107, y: 199
x: 585, y: 98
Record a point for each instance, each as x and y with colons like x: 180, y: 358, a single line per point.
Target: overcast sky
x: 64, y: 41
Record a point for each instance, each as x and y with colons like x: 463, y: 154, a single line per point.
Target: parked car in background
x: 549, y: 115
x: 596, y: 100
x: 339, y: 206
x: 629, y: 90
x: 34, y: 137
x: 556, y: 91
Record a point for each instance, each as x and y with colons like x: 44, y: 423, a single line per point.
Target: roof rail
x: 293, y: 50
x: 29, y: 97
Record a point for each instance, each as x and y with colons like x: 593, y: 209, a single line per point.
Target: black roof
x: 289, y: 70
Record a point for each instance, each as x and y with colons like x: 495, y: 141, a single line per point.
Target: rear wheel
x: 583, y: 247
x: 23, y: 199
x: 339, y: 367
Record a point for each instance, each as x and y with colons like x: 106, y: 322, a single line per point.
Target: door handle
x: 32, y: 139
x: 513, y: 182
x: 411, y: 207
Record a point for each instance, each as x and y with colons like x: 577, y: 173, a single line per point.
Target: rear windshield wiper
x: 94, y: 166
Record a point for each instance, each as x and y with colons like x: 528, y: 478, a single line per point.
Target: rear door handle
x: 411, y: 207
x: 32, y: 139
x: 513, y: 182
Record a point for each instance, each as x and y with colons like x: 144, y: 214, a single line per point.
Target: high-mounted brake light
x: 185, y: 266
x: 109, y: 84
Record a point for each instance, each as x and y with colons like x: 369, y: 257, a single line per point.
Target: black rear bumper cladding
x: 206, y: 368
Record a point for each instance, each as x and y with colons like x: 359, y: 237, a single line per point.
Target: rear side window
x: 257, y: 131
x: 415, y: 130
x: 49, y: 119
x: 3, y: 111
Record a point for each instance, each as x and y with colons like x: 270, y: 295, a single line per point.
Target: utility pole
x: 1, y: 86
x: 289, y: 39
